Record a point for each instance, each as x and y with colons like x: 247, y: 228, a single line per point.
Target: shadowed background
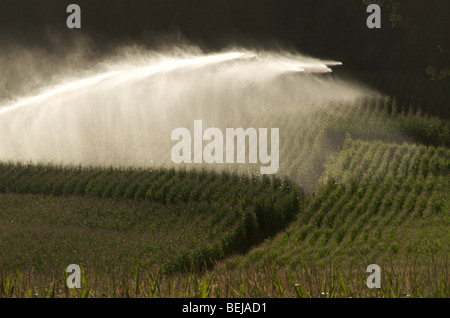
x: 325, y: 28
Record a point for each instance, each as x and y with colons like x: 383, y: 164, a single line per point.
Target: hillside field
x: 361, y: 183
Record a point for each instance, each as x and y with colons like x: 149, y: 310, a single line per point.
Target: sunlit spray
x: 125, y: 114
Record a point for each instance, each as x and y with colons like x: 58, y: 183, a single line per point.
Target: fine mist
x: 123, y: 114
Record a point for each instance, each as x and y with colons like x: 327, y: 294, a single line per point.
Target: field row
x: 175, y: 219
x: 376, y: 200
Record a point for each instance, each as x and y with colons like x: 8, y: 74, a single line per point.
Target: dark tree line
x: 413, y: 38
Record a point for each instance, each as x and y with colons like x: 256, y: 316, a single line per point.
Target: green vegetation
x: 375, y: 173
x: 173, y: 220
x: 377, y: 200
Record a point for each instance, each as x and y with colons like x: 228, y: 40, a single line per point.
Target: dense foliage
x: 176, y: 219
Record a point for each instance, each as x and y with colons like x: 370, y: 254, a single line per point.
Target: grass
x: 351, y: 221
x: 46, y: 229
x: 361, y: 184
x: 271, y: 281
